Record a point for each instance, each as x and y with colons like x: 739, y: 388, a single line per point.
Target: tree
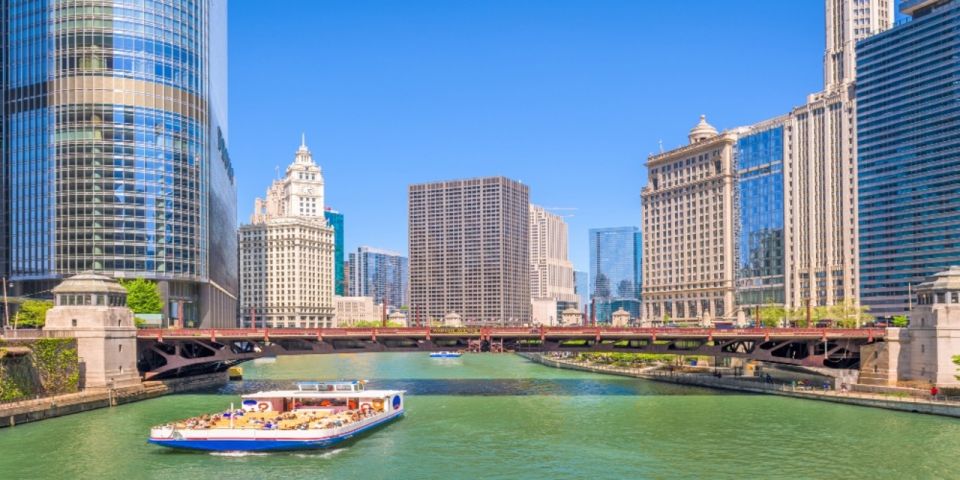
x: 900, y: 321
x: 848, y: 314
x: 32, y: 313
x: 772, y: 315
x: 143, y: 296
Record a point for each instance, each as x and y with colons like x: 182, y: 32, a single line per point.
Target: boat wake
x: 326, y: 454
x: 239, y: 454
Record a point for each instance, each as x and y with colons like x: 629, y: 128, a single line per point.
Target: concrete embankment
x: 32, y: 410
x: 865, y: 399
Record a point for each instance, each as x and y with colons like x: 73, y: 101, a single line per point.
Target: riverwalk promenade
x: 940, y: 406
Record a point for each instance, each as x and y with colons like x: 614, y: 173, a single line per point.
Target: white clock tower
x: 286, y: 253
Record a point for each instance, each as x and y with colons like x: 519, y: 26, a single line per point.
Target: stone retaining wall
x: 32, y: 410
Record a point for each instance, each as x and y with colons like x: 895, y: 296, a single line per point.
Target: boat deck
x: 306, y: 419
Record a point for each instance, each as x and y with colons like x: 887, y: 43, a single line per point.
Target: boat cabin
x: 329, y: 398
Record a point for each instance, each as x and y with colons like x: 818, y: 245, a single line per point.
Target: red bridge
x: 166, y: 353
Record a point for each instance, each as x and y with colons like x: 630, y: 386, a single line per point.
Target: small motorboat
x: 445, y: 354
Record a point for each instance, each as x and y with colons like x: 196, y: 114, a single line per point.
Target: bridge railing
x: 513, y: 331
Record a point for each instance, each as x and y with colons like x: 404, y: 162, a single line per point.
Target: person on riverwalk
x: 934, y: 391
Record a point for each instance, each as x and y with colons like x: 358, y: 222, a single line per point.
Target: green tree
x: 956, y: 361
x: 32, y: 313
x: 374, y: 324
x: 143, y: 296
x: 848, y: 314
x: 772, y: 315
x: 900, y: 321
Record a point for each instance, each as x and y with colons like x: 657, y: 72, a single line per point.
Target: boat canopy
x: 340, y: 386
x: 330, y: 395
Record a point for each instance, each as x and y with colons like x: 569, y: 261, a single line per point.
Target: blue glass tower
x: 908, y: 128
x: 114, y: 156
x: 760, y: 241
x: 335, y: 219
x: 615, y: 271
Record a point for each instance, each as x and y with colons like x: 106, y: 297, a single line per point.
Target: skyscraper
x: 335, y: 220
x: 909, y: 168
x: 380, y: 274
x: 581, y: 282
x: 615, y: 278
x: 469, y: 250
x: 759, y: 216
x: 688, y: 211
x: 820, y: 166
x: 551, y: 273
x: 286, y: 252
x: 114, y: 156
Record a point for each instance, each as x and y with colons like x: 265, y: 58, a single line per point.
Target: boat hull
x: 267, y: 444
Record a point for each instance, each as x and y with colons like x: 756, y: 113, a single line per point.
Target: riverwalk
x: 939, y: 406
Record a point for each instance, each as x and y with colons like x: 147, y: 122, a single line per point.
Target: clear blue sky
x: 567, y: 96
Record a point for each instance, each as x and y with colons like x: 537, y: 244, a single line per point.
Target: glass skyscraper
x: 380, y: 274
x: 615, y: 271
x: 114, y: 153
x: 335, y: 219
x: 760, y: 242
x: 908, y: 128
x: 581, y: 286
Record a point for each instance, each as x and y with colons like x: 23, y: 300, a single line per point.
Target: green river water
x: 500, y: 416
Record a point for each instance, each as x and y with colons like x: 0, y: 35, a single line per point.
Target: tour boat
x: 316, y: 415
x: 445, y: 354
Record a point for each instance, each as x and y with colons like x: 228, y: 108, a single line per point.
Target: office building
x: 581, y: 281
x: 353, y: 310
x: 114, y: 154
x: 908, y: 143
x: 615, y: 271
x: 381, y: 275
x: 469, y: 250
x: 688, y: 225
x: 759, y: 215
x: 286, y: 253
x: 335, y: 220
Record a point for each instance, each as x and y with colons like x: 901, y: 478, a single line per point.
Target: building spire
x: 303, y: 140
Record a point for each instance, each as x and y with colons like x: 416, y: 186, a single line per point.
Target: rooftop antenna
x: 276, y: 169
x: 661, y: 145
x: 303, y: 140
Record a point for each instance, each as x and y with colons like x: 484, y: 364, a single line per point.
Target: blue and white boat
x: 445, y: 354
x: 317, y: 415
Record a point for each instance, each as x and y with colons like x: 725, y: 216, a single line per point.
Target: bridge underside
x: 178, y: 357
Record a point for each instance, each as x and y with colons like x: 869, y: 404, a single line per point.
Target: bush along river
x: 501, y: 416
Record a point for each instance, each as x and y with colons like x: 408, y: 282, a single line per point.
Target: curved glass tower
x: 114, y: 149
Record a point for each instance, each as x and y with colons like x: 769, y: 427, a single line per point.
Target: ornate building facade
x: 688, y: 242
x: 287, y: 252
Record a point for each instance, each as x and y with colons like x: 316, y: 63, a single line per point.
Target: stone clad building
x: 688, y: 259
x: 287, y: 251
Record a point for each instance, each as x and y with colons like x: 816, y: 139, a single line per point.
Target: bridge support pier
x: 91, y: 308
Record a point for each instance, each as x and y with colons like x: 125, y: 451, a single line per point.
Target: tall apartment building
x: 114, y: 152
x: 909, y: 165
x: 688, y: 225
x: 615, y: 277
x: 469, y: 250
x: 551, y: 272
x: 340, y: 280
x: 381, y: 275
x: 286, y: 253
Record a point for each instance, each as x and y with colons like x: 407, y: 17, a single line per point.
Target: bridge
x: 166, y: 353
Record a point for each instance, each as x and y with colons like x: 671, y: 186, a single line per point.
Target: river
x: 500, y: 416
